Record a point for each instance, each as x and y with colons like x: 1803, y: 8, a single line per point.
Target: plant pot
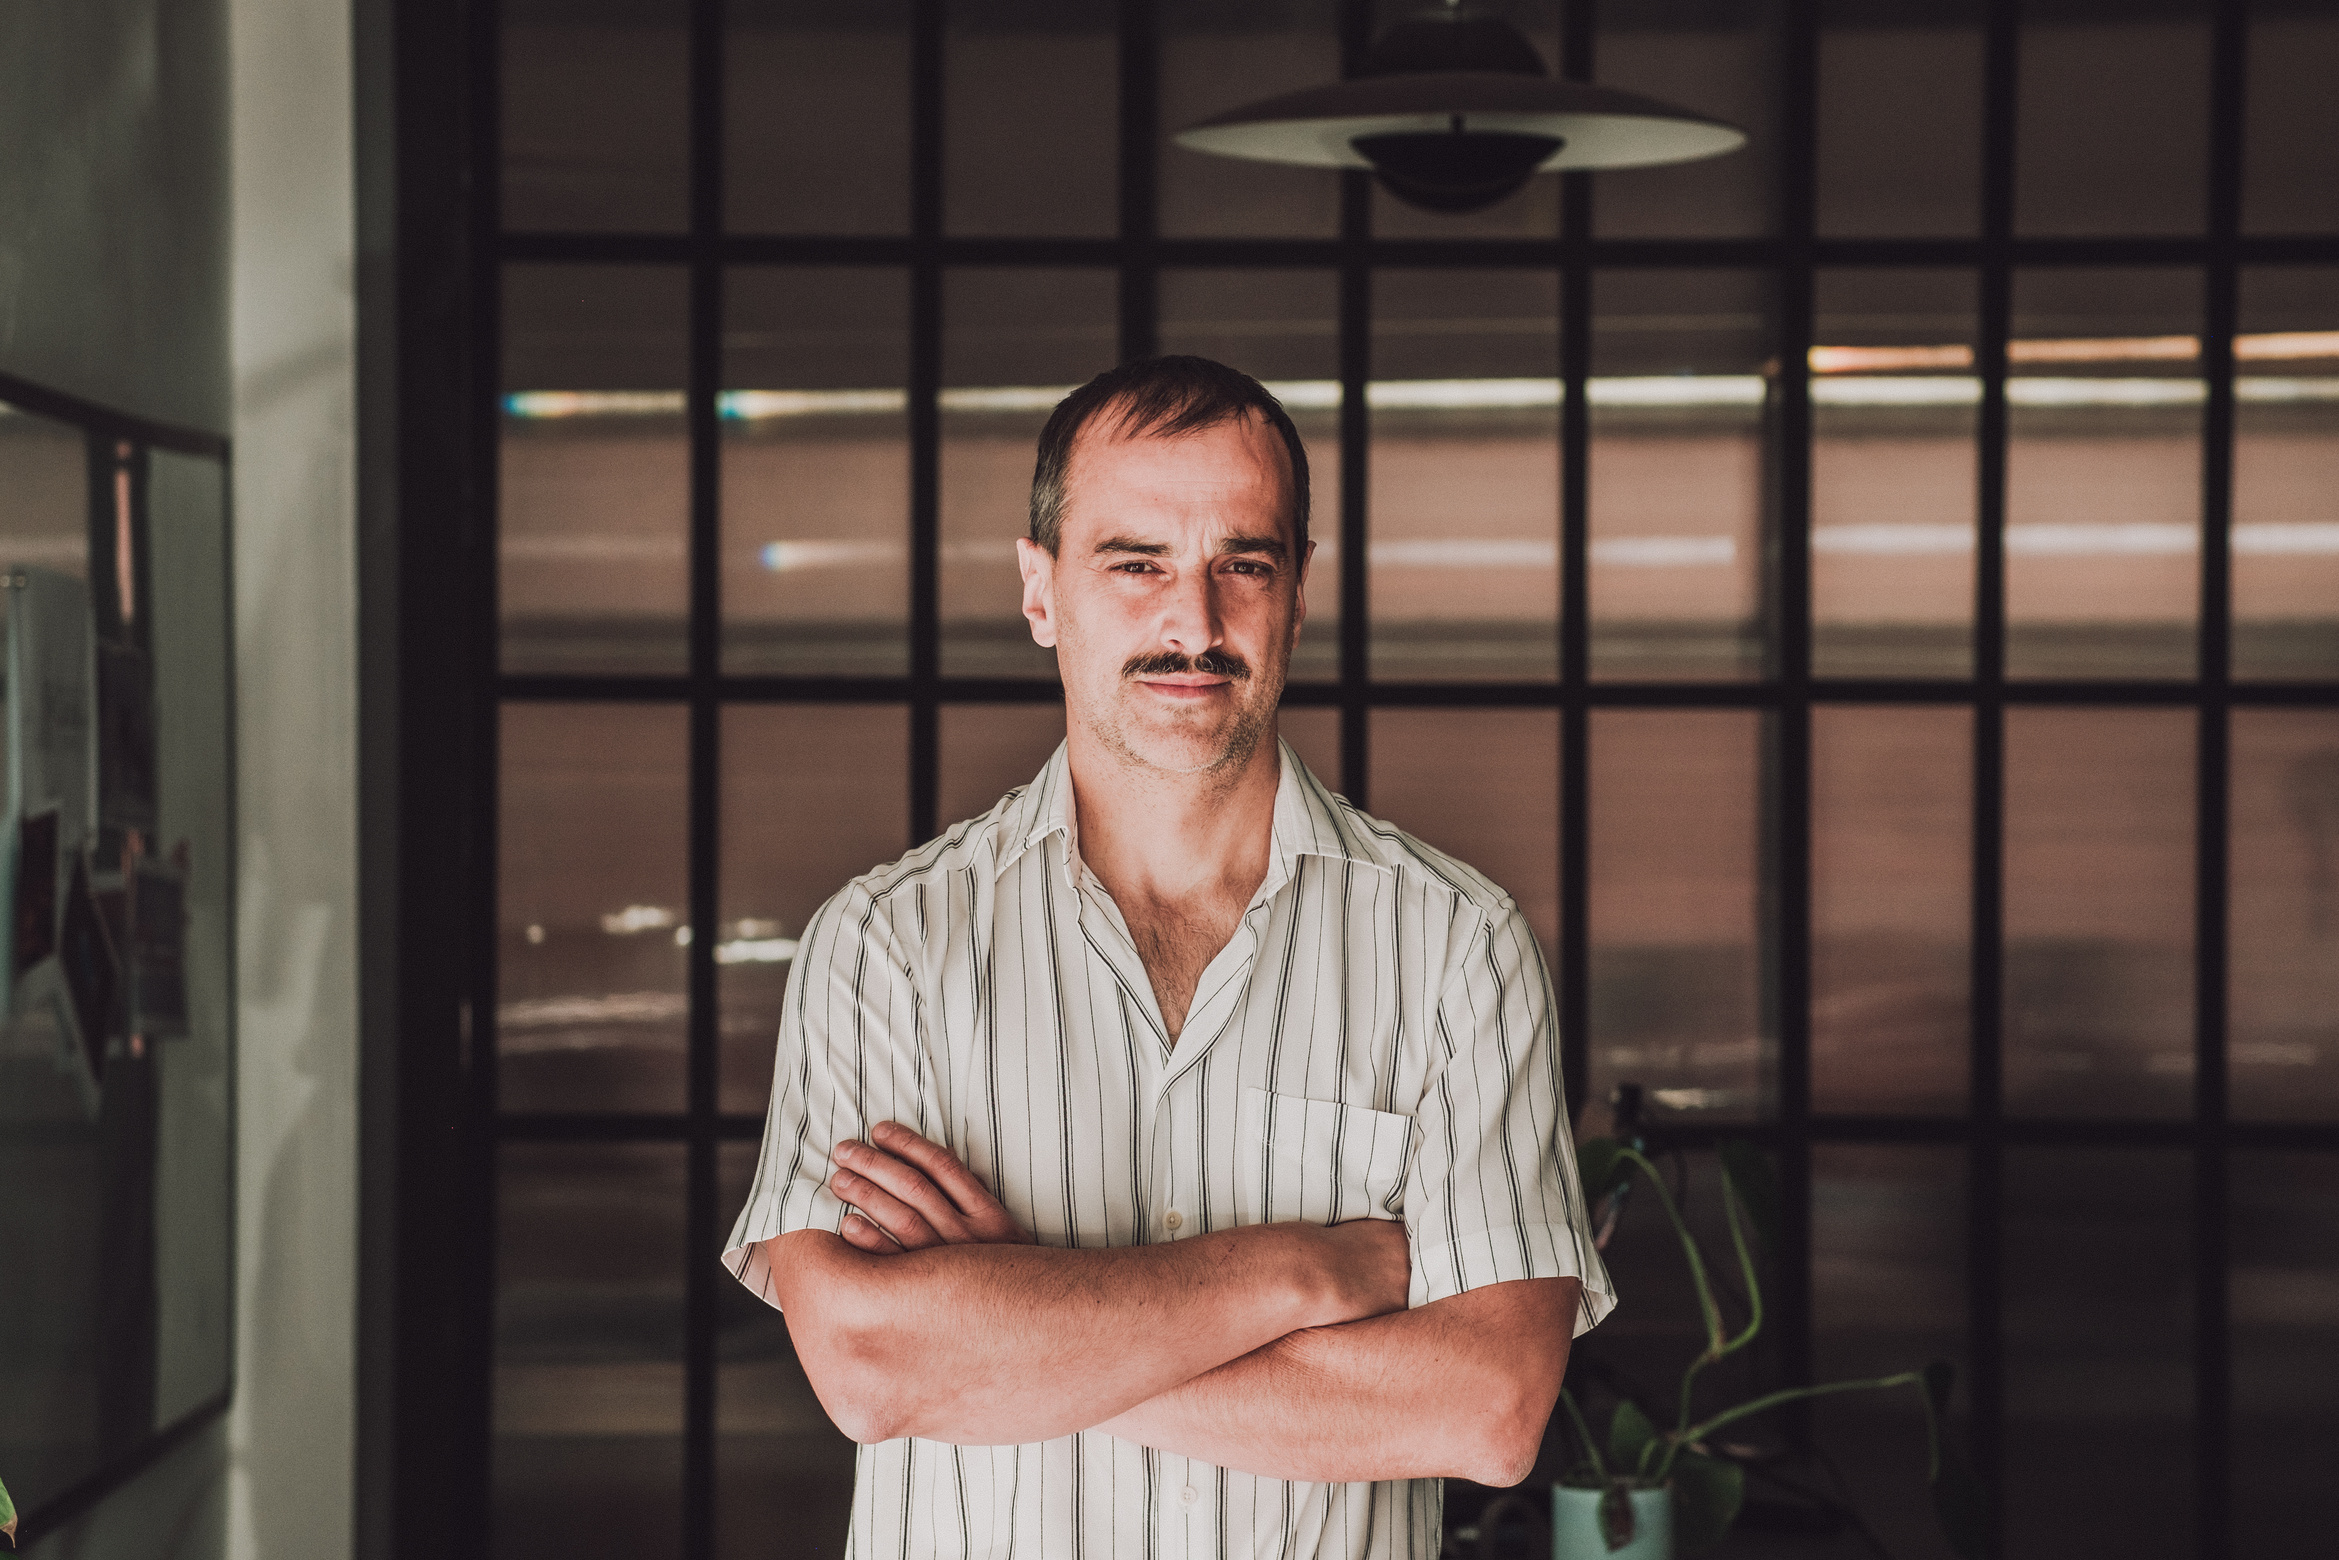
x: 1575, y: 1526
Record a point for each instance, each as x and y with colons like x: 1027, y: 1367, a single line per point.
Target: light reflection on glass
x: 2286, y: 474
x: 1674, y: 911
x: 592, y: 511
x: 2282, y: 929
x: 816, y: 472
x: 1894, y: 405
x: 1677, y: 474
x: 1464, y: 497
x: 2103, y: 475
x: 1891, y: 849
x: 2099, y: 912
x: 592, y: 928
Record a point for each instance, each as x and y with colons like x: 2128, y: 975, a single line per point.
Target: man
x: 1171, y: 1161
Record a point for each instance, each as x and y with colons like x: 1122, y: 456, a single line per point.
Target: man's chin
x: 1188, y: 746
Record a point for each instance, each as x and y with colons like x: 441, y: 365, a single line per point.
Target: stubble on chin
x: 1222, y: 760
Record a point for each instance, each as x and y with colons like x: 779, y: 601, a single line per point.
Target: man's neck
x: 1153, y: 837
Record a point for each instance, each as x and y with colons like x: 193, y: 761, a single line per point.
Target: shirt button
x: 1176, y: 1221
x: 1189, y: 1495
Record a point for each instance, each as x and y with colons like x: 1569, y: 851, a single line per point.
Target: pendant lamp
x: 1454, y: 111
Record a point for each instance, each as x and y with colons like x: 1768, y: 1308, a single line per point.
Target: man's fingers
x: 909, y: 1185
x: 985, y: 1215
x: 858, y: 1231
x: 888, y: 1212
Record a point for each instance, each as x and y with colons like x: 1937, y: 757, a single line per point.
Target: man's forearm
x: 1000, y: 1344
x: 1459, y: 1388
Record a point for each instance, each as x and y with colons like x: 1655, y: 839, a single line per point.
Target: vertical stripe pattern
x: 1376, y: 1040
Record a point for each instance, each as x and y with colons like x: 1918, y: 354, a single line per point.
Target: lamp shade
x: 1596, y: 127
x: 1455, y: 111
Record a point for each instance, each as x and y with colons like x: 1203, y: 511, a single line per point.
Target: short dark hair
x: 1163, y: 397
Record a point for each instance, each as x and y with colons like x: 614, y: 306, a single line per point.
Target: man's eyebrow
x: 1130, y: 544
x: 1272, y: 546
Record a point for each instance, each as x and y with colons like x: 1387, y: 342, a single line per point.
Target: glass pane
x: 44, y: 493
x: 2286, y: 475
x: 2284, y: 1295
x: 2282, y: 928
x: 1465, y: 574
x: 1679, y: 362
x: 2103, y: 474
x: 2099, y: 1373
x: 116, y: 993
x: 814, y: 795
x: 593, y: 507
x: 1531, y: 211
x: 2290, y: 149
x: 592, y: 834
x: 1717, y: 58
x: 596, y: 116
x: 1893, y: 416
x: 2112, y: 113
x: 1888, y: 1295
x: 194, y: 735
x: 588, y: 1367
x: 1501, y: 815
x: 1314, y: 734
x: 989, y: 750
x: 1283, y: 329
x: 816, y: 109
x: 2099, y: 912
x: 1217, y: 57
x: 1891, y: 854
x: 1675, y: 1003
x: 783, y: 1472
x: 1900, y: 120
x: 816, y: 472
x: 1031, y: 119
x: 1013, y: 344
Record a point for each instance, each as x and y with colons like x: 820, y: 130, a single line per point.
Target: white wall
x: 293, y: 351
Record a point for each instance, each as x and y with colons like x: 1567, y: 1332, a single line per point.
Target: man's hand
x: 911, y: 1194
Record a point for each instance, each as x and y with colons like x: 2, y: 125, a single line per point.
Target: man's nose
x: 1190, y: 620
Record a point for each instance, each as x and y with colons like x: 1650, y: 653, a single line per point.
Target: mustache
x: 1169, y: 663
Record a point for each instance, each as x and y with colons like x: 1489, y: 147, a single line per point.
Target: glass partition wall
x: 1873, y: 599
x: 117, y: 981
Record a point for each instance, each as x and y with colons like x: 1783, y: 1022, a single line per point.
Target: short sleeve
x: 850, y: 1039
x: 1492, y: 1194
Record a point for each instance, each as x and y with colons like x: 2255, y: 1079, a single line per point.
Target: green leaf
x: 1940, y: 1381
x: 7, y: 1517
x: 1961, y: 1506
x: 1616, y: 1522
x: 1599, y: 1168
x: 1706, y: 1493
x: 1757, y: 1186
x: 1629, y: 1437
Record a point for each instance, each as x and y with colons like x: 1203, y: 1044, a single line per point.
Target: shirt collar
x: 1309, y: 821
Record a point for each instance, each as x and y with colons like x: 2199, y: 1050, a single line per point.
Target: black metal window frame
x: 432, y: 1063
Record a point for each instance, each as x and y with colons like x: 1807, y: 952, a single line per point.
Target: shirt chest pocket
x: 1318, y: 1160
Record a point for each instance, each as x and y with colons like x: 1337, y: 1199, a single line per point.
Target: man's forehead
x: 1220, y: 478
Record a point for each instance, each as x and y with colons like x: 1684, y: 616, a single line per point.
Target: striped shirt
x: 1375, y: 1041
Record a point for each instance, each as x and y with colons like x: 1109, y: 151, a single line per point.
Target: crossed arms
x: 1277, y: 1349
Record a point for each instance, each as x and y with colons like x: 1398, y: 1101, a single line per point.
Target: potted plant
x: 1645, y: 1493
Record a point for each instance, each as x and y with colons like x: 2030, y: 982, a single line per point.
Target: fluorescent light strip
x: 2259, y: 539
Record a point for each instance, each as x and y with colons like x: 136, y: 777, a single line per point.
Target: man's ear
x: 1307, y: 555
x: 1038, y: 566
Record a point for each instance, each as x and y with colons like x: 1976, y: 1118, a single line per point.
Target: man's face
x: 1174, y: 597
